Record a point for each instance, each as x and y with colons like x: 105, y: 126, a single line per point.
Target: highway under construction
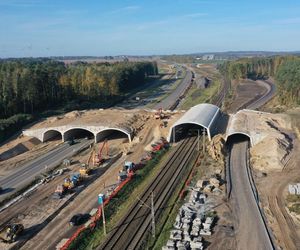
x: 93, y: 154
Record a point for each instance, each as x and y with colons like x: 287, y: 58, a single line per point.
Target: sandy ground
x: 36, y: 211
x: 275, y: 162
x: 100, y: 117
x: 245, y: 92
x: 273, y: 191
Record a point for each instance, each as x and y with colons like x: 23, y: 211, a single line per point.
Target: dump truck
x: 9, y: 233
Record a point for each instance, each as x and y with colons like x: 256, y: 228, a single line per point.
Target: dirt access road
x: 59, y: 227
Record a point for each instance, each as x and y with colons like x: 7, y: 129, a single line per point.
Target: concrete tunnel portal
x: 81, y: 132
x: 201, y: 118
x: 77, y: 133
x: 52, y: 135
x: 238, y: 137
x: 185, y: 130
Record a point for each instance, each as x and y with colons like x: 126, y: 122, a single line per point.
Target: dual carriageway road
x: 51, y: 234
x: 28, y: 172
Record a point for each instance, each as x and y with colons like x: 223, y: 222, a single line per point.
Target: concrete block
x: 171, y: 243
x: 205, y: 232
x: 215, y: 182
x: 176, y: 235
x: 199, y: 184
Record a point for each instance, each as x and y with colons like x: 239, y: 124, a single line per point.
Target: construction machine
x: 159, y: 114
x: 98, y: 158
x: 9, y: 233
x: 60, y: 191
x: 85, y: 170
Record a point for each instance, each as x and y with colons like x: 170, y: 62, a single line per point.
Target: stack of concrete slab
x: 294, y: 188
x: 191, y: 222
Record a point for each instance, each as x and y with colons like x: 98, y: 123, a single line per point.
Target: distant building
x: 208, y: 57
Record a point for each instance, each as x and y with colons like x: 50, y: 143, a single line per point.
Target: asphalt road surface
x: 174, y: 96
x: 267, y: 96
x: 250, y: 227
x: 26, y: 174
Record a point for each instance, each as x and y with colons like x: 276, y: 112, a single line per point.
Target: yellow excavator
x: 10, y: 232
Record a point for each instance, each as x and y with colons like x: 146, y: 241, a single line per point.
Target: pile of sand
x: 73, y: 114
x: 272, y: 152
x: 216, y: 148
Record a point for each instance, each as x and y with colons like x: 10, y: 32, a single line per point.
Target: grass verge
x: 120, y: 205
x: 167, y: 218
x: 196, y: 95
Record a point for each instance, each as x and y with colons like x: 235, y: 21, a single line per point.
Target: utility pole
x: 153, y: 215
x: 103, y: 217
x: 152, y: 212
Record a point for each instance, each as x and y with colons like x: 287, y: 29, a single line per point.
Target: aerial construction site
x: 121, y: 128
x: 92, y: 158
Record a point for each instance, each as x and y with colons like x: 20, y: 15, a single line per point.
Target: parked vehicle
x: 79, y: 219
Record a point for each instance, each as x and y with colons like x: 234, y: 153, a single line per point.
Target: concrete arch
x: 203, y: 115
x: 77, y: 132
x: 236, y: 134
x: 108, y: 131
x: 51, y: 134
x: 173, y: 137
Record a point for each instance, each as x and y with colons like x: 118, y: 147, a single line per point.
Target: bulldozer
x: 10, y: 232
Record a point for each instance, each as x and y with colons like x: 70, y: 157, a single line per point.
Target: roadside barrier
x: 97, y: 216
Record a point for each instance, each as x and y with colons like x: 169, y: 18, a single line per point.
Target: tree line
x: 284, y: 69
x: 31, y: 86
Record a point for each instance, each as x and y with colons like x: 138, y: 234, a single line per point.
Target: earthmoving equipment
x: 60, y: 191
x: 122, y: 175
x: 159, y: 114
x: 85, y: 170
x: 98, y: 158
x: 128, y: 166
x: 9, y: 233
x: 91, y: 157
x: 72, y: 181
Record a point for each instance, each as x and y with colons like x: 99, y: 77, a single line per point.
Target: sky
x: 33, y: 28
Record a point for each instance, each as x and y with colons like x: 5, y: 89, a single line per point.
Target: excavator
x: 9, y: 233
x: 98, y: 158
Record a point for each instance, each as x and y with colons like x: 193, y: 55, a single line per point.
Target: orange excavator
x: 98, y: 158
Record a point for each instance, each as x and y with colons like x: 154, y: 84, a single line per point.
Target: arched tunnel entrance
x: 185, y: 130
x: 112, y: 134
x: 236, y: 138
x: 52, y: 135
x: 77, y: 133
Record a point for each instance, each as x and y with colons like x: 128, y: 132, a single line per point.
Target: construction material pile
x: 195, y: 220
